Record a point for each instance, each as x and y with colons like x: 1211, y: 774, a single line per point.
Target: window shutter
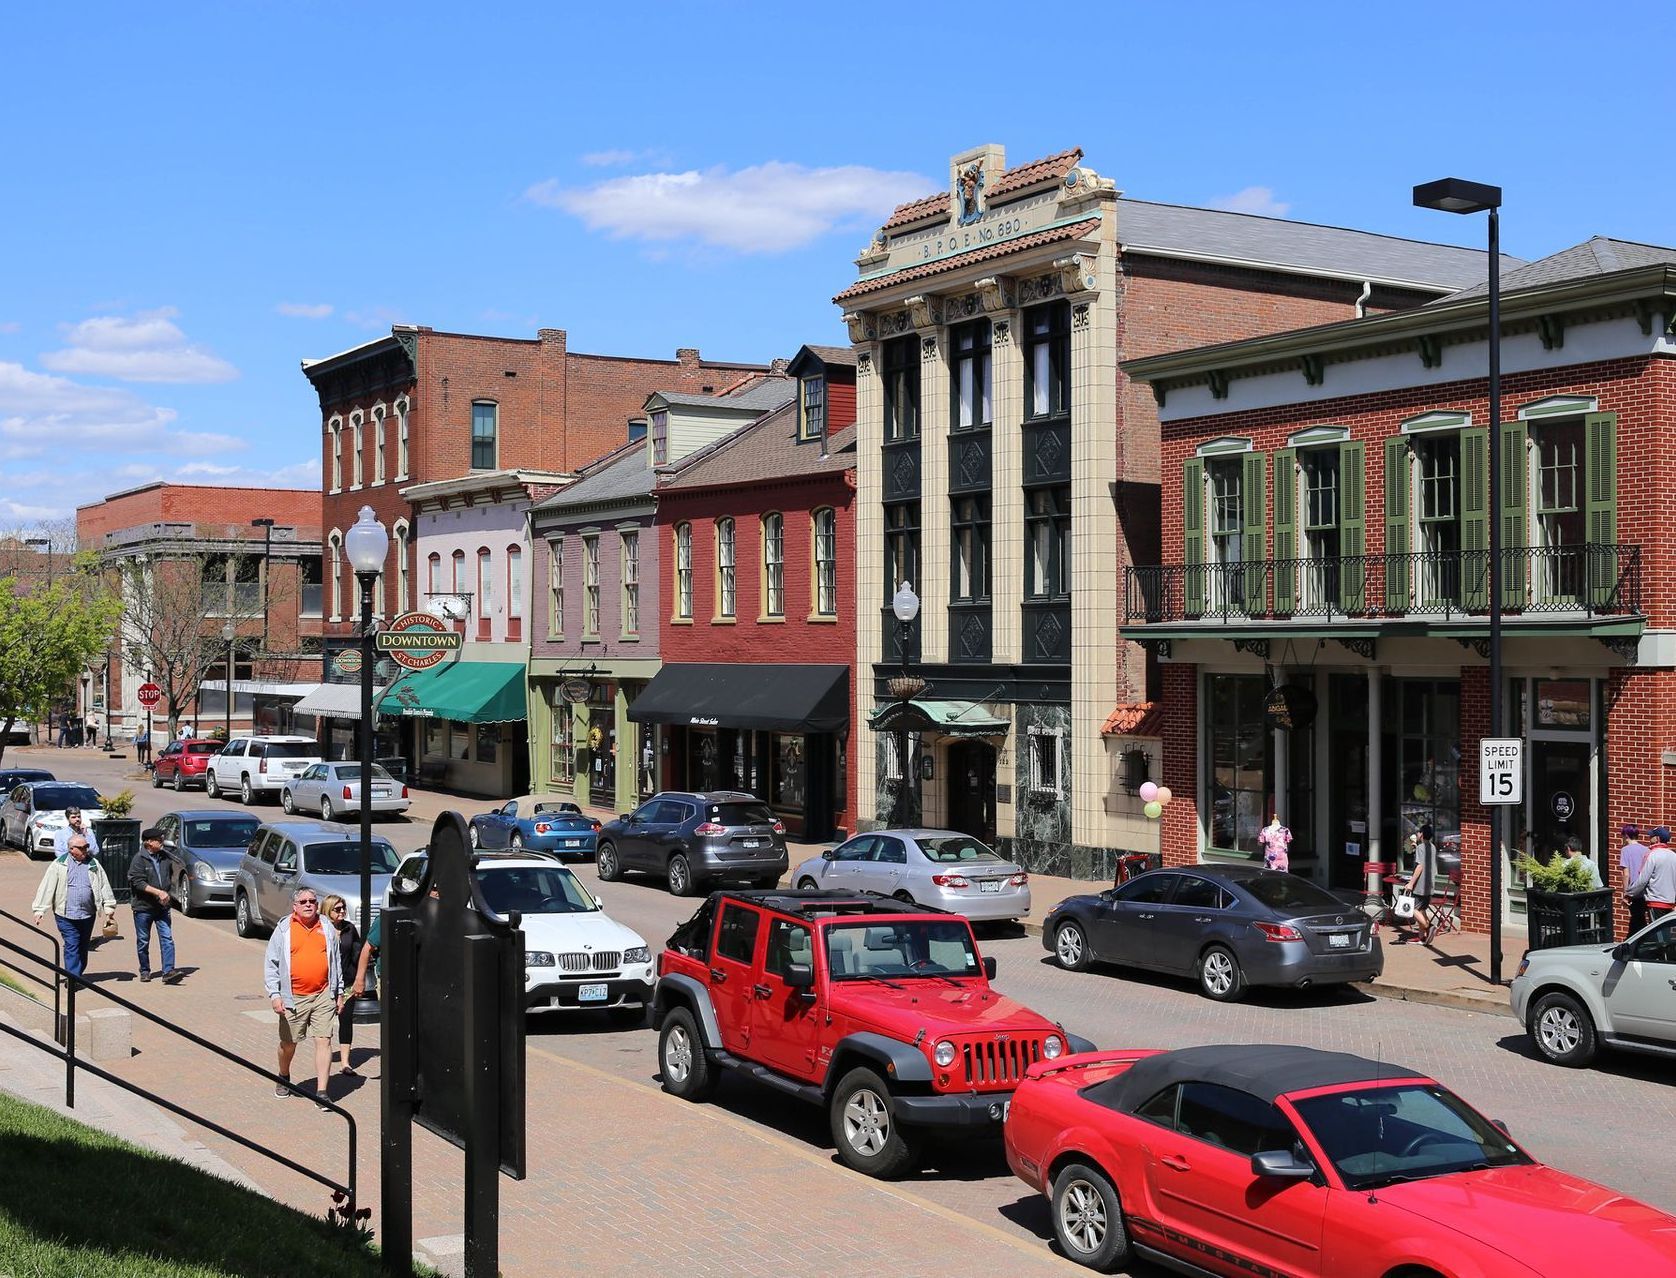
x: 1193, y: 536
x: 1475, y: 521
x: 1352, y: 526
x: 1397, y: 561
x: 1254, y: 536
x: 1601, y: 435
x: 1515, y: 529
x: 1285, y: 530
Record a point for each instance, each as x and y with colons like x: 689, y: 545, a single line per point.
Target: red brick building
x: 1321, y: 607
x: 756, y: 547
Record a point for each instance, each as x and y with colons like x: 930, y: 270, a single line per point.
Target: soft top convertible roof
x: 1263, y: 1070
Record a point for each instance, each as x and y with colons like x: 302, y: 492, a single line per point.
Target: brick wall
x: 1179, y: 840
x: 218, y: 512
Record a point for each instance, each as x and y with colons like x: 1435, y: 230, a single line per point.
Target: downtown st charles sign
x: 417, y: 640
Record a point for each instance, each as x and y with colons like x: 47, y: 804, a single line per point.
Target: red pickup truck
x: 881, y: 1013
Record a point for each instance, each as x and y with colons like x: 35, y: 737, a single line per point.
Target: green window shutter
x: 1396, y: 526
x: 1601, y: 438
x: 1515, y: 534
x: 1352, y: 526
x: 1475, y: 519
x: 1193, y: 535
x: 1254, y: 536
x: 1285, y: 531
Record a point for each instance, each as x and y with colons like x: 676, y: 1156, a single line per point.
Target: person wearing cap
x: 76, y: 891
x: 77, y: 827
x: 1631, y: 857
x: 1656, y: 884
x: 148, y: 884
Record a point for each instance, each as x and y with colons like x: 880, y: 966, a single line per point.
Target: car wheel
x: 211, y: 788
x: 865, y: 1129
x: 1562, y: 1030
x: 244, y: 920
x: 1087, y: 1218
x: 605, y: 863
x: 680, y: 876
x: 326, y: 808
x: 1220, y: 977
x: 183, y: 894
x: 286, y: 802
x: 247, y: 796
x: 516, y: 842
x: 156, y: 781
x: 1070, y: 947
x: 687, y: 1071
x: 807, y: 885
x: 180, y: 782
x: 472, y: 837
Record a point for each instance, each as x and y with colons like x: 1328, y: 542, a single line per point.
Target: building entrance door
x: 1559, y: 795
x: 972, y: 789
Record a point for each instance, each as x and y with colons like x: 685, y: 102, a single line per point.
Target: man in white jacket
x: 76, y: 891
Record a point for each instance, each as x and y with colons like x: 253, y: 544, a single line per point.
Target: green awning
x: 465, y: 691
x: 951, y: 718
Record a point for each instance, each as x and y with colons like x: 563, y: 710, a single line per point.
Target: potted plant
x: 119, y: 839
x: 1562, y: 908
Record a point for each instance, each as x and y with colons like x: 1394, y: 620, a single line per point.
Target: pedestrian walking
x: 303, y: 979
x: 184, y: 732
x: 1631, y: 857
x: 368, y: 962
x: 63, y: 731
x: 76, y: 891
x: 76, y: 827
x: 142, y: 748
x: 1656, y: 884
x: 1574, y: 852
x: 1422, y: 882
x: 91, y: 737
x: 349, y: 954
x: 148, y: 884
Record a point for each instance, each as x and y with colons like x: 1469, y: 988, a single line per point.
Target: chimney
x: 779, y: 367
x: 687, y: 357
x: 554, y: 335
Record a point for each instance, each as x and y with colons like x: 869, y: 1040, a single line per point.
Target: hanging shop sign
x: 418, y: 640
x: 349, y: 661
x: 1290, y: 706
x: 575, y: 691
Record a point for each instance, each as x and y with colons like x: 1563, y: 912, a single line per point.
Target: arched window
x: 726, y: 580
x: 378, y: 444
x: 401, y: 438
x: 773, y: 565
x: 335, y: 430
x: 433, y: 574
x: 401, y: 540
x: 683, y: 572
x: 514, y: 592
x: 334, y: 567
x: 458, y: 583
x: 355, y: 463
x: 825, y: 522
x: 485, y: 594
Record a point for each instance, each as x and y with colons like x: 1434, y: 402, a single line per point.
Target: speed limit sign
x: 1501, y: 770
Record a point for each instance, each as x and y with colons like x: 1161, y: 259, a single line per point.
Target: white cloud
x: 766, y: 208
x: 11, y: 326
x: 43, y: 415
x: 305, y: 310
x: 1253, y: 199
x: 609, y: 159
x: 374, y: 317
x: 147, y: 348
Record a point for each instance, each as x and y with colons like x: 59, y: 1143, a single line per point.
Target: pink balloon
x: 1149, y: 791
x: 1164, y: 795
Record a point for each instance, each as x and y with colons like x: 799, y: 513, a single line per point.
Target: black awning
x: 786, y: 698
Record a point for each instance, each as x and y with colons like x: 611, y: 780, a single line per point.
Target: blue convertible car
x: 535, y: 823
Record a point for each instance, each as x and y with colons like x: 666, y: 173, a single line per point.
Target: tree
x: 48, y: 635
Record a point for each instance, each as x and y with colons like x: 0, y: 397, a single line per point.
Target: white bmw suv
x: 256, y: 765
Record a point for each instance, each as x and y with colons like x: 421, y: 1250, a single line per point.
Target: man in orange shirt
x: 303, y: 979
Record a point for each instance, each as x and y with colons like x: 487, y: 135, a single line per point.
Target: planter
x: 1569, y: 918
x: 119, y: 839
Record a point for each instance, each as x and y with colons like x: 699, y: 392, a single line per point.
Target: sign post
x: 148, y: 695
x: 1501, y: 771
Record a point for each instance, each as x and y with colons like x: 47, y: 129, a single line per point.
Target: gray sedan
x: 204, y: 848
x: 940, y: 868
x: 331, y: 788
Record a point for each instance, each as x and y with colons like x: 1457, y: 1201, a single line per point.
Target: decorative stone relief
x: 1038, y: 289
x: 1079, y: 315
x: 1076, y: 273
x: 996, y: 293
x: 963, y: 307
x: 1001, y: 333
x: 863, y: 363
x: 894, y: 323
x: 925, y: 311
x: 863, y: 327
x: 928, y: 348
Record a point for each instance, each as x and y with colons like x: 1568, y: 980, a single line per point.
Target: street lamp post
x: 108, y: 746
x: 905, y: 687
x: 228, y: 631
x: 366, y: 545
x: 267, y: 527
x: 1455, y: 195
x: 86, y: 703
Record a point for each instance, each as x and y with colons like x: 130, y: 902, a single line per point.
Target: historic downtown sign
x: 417, y: 640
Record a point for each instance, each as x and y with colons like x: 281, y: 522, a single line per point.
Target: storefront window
x: 1423, y: 763
x: 602, y: 747
x: 436, y: 736
x: 1241, y: 761
x: 459, y: 740
x: 564, y: 753
x: 1563, y: 703
x: 790, y: 781
x: 488, y: 742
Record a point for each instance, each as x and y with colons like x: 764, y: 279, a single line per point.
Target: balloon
x: 1164, y: 796
x: 1149, y: 791
x: 1153, y: 809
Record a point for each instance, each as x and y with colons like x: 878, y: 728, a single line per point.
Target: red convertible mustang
x: 1267, y: 1160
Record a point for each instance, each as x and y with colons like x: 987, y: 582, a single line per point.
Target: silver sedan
x: 941, y: 868
x: 331, y: 788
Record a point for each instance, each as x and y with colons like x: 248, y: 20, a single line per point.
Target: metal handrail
x: 57, y: 963
x: 67, y: 1054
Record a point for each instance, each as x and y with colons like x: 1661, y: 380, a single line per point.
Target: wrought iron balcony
x: 1581, y: 580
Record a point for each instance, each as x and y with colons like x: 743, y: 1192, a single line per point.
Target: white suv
x: 1576, y: 998
x: 259, y: 765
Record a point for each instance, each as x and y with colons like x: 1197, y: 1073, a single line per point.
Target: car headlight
x: 1524, y: 965
x: 1053, y: 1047
x: 943, y: 1054
x: 637, y: 954
x: 204, y: 872
x: 537, y: 958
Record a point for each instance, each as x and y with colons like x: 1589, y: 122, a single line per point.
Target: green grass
x: 76, y: 1203
x: 12, y: 983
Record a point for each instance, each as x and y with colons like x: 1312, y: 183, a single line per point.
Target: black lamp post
x: 107, y: 747
x: 366, y: 545
x: 1456, y: 195
x: 267, y: 527
x: 905, y: 687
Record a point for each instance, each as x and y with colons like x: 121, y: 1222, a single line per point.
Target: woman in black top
x: 349, y: 953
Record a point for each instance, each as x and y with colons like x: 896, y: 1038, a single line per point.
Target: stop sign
x: 149, y: 694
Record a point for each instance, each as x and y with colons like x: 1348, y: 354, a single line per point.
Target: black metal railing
x: 1587, y: 579
x: 65, y: 1051
x: 55, y: 985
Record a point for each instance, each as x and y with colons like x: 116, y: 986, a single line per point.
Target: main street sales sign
x: 1501, y: 770
x: 417, y: 640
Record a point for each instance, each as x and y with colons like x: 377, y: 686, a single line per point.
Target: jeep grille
x: 999, y: 1062
x: 577, y: 961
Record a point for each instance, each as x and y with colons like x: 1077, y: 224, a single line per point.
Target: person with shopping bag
x: 77, y: 891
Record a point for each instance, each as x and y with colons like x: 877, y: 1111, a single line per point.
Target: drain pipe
x: 1362, y: 301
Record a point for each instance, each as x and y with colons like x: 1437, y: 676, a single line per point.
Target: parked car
x: 576, y: 956
x: 33, y: 813
x: 11, y: 778
x: 330, y: 788
x: 287, y: 855
x: 941, y: 868
x: 1576, y: 999
x: 1259, y: 1159
x: 205, y: 847
x: 882, y: 1015
x: 537, y: 824
x: 692, y: 840
x: 183, y: 763
x: 252, y: 766
x: 1229, y: 926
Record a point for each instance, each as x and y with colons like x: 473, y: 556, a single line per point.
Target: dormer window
x: 811, y: 419
x: 637, y: 429
x: 660, y: 437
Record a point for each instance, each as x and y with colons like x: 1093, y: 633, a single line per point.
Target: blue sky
x: 200, y: 196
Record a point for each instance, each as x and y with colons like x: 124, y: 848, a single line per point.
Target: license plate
x: 593, y: 993
x: 1339, y: 940
x: 989, y: 885
x: 381, y: 792
x: 752, y: 843
x: 573, y: 843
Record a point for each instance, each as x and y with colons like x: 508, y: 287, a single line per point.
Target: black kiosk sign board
x: 453, y: 1039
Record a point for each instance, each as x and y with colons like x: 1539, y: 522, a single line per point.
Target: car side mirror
x: 1620, y: 952
x: 829, y: 854
x: 989, y: 968
x: 1281, y: 1164
x: 1501, y: 1126
x: 799, y: 976
x: 627, y: 818
x: 170, y: 843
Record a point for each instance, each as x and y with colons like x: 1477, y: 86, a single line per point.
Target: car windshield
x: 959, y: 847
x: 219, y: 832
x: 534, y: 890
x: 345, y: 858
x: 55, y: 798
x: 202, y: 747
x: 352, y: 772
x: 740, y: 813
x: 1289, y: 892
x: 1381, y: 1135
x: 926, y: 947
x: 292, y: 750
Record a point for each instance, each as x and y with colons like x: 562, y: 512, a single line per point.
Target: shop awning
x: 334, y: 701
x: 950, y: 718
x: 784, y: 698
x: 465, y: 691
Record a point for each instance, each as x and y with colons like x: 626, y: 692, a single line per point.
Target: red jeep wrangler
x: 878, y: 1011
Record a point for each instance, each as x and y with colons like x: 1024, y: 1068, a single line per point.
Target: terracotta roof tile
x: 988, y: 253
x: 915, y: 210
x: 1135, y: 719
x: 1054, y: 166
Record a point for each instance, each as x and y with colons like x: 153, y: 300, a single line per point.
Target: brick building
x: 756, y: 538
x: 1324, y: 566
x: 255, y: 588
x: 1007, y: 467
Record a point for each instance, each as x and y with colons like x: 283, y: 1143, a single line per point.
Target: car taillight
x: 1019, y: 879
x: 262, y: 765
x: 596, y: 827
x: 709, y: 827
x: 951, y: 880
x: 541, y: 827
x: 1279, y: 932
x: 346, y: 793
x: 404, y: 792
x: 779, y: 827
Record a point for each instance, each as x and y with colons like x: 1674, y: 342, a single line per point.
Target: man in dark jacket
x: 148, y: 881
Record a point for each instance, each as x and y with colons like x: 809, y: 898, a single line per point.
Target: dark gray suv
x: 693, y: 840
